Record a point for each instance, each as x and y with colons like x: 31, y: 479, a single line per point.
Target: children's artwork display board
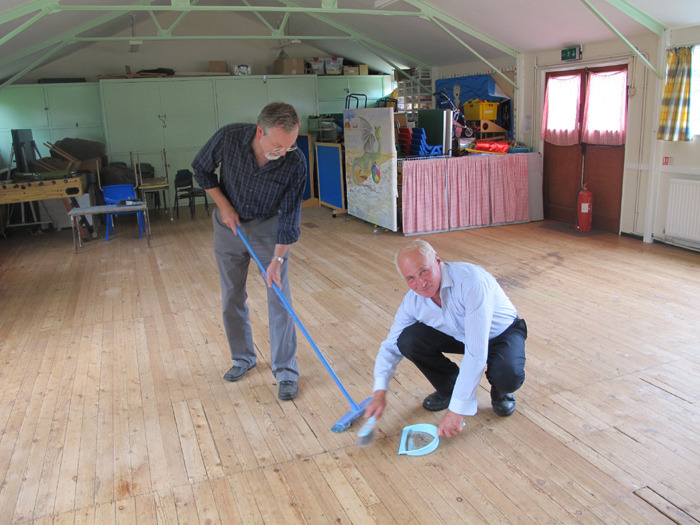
x: 331, y: 187
x: 304, y: 144
x: 371, y: 166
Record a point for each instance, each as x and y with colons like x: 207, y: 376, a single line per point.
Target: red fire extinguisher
x: 584, y: 210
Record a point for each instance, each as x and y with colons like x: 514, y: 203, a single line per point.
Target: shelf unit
x: 411, y: 97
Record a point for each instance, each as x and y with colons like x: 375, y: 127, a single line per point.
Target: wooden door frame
x: 565, y: 212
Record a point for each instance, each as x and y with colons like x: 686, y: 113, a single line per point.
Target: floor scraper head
x: 348, y: 419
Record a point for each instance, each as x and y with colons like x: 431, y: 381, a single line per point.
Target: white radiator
x: 683, y: 210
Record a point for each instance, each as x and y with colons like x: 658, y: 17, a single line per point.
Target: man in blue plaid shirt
x: 260, y: 189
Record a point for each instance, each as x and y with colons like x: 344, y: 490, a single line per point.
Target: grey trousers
x: 233, y: 260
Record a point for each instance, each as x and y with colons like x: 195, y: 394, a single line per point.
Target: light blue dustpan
x: 419, y: 439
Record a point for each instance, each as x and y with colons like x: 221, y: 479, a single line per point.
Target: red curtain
x: 483, y: 190
x: 509, y: 188
x: 469, y: 191
x: 423, y: 197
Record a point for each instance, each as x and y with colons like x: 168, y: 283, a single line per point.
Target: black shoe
x: 288, y: 390
x: 503, y: 404
x: 237, y: 372
x: 436, y: 402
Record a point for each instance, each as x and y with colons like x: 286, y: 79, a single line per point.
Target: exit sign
x: 571, y: 53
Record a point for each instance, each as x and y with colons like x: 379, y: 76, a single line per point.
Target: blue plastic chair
x: 113, y: 195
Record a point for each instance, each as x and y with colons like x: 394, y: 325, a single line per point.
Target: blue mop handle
x: 298, y: 322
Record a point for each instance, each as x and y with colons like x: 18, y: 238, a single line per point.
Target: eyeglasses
x: 282, y: 151
x: 288, y: 150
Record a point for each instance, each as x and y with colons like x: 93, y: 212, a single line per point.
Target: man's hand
x: 229, y: 217
x: 274, y: 273
x: 377, y: 405
x: 451, y: 424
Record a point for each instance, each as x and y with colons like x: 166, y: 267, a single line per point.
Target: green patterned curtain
x: 675, y: 106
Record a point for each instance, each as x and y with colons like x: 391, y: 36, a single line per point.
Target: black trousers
x: 426, y: 347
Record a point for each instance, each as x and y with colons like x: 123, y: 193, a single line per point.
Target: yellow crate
x: 480, y: 110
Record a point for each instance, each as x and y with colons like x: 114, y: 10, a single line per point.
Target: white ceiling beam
x: 34, y: 64
x: 207, y: 37
x: 67, y: 38
x: 422, y: 86
x: 439, y: 24
x: 638, y: 15
x: 430, y: 12
x: 265, y: 22
x: 378, y: 4
x: 360, y: 37
x: 27, y: 9
x: 622, y: 37
x: 233, y: 9
x: 41, y: 14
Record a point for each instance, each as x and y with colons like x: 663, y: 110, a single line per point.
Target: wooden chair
x: 155, y: 185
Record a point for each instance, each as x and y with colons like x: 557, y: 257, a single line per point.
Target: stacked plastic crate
x: 404, y: 141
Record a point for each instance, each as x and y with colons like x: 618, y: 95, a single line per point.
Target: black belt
x: 256, y: 218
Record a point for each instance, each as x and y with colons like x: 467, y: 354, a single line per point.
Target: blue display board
x: 331, y: 187
x: 304, y: 144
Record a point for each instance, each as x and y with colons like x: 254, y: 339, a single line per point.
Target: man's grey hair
x: 418, y: 245
x: 278, y: 114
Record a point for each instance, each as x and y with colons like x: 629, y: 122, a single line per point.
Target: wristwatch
x: 278, y: 259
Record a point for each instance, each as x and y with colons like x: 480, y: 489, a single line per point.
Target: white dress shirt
x: 474, y: 310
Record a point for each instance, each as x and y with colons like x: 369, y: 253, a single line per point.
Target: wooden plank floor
x: 113, y: 409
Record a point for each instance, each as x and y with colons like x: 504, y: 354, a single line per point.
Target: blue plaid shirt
x: 254, y: 192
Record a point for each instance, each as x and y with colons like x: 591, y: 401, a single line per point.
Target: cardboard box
x: 351, y: 70
x: 398, y: 77
x: 317, y: 64
x: 364, y: 69
x: 218, y: 66
x: 289, y: 66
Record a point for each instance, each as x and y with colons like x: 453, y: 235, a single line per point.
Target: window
x: 560, y: 117
x: 605, y: 112
x: 604, y: 117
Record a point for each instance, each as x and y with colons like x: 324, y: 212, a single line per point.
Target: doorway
x: 589, y: 160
